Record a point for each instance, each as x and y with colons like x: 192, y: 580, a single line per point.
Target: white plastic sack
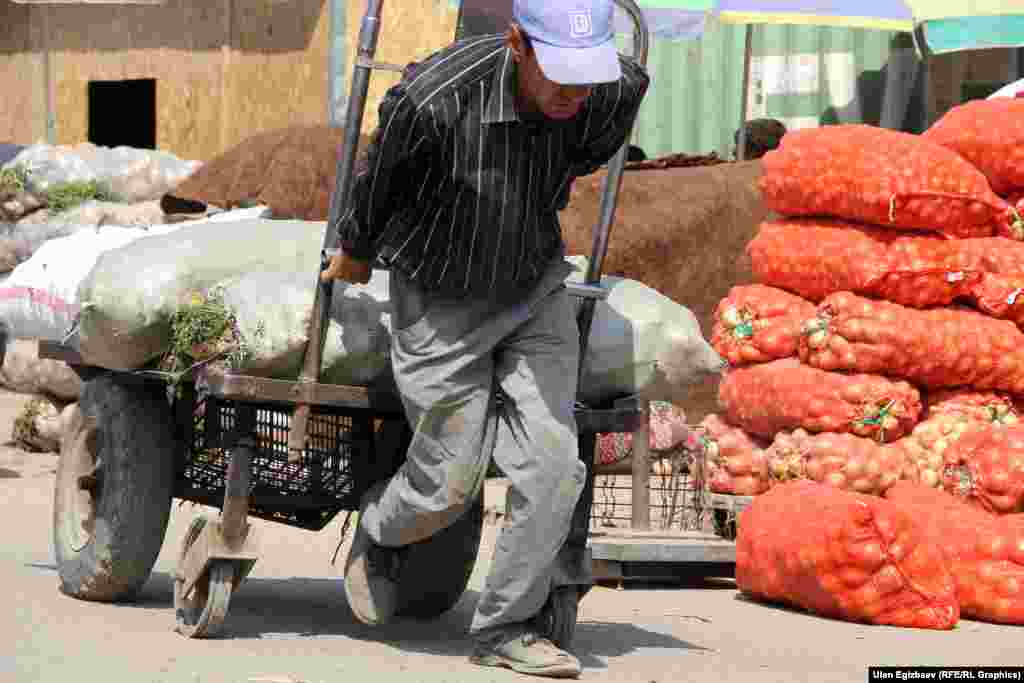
x: 129, y: 297
x: 640, y: 341
x: 40, y: 298
x: 48, y: 165
x: 273, y: 312
x: 643, y: 342
x: 18, y: 241
x: 134, y: 175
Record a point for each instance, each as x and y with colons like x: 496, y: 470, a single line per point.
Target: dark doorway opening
x: 123, y: 113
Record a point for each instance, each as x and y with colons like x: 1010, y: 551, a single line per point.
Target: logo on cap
x: 581, y: 24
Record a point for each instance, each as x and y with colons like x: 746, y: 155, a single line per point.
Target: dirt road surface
x: 289, y: 623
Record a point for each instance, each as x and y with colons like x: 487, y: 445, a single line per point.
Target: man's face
x: 536, y: 92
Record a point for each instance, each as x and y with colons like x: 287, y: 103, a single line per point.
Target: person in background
x: 763, y: 135
x: 476, y: 149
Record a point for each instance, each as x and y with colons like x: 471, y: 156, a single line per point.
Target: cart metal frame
x: 218, y: 554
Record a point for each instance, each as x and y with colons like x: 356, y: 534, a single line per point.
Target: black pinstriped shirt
x: 459, y: 192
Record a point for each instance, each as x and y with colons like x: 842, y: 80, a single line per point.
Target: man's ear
x: 515, y: 42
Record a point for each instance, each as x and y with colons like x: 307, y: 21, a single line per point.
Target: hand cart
x: 292, y: 452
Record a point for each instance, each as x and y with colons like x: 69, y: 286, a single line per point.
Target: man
x: 763, y: 135
x: 475, y: 153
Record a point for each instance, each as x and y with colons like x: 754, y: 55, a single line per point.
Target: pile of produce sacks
x: 880, y: 346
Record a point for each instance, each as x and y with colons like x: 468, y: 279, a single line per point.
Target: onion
x: 836, y: 479
x: 818, y: 340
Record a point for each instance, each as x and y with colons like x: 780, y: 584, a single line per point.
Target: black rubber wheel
x: 725, y: 524
x: 112, y: 496
x: 557, y: 619
x: 435, y: 572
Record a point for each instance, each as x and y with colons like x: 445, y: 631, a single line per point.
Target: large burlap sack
x: 783, y: 395
x: 986, y: 468
x: 985, y: 553
x: 989, y: 134
x: 130, y: 294
x: 25, y: 372
x: 755, y: 324
x: 950, y: 415
x: 291, y: 170
x: 683, y: 232
x: 816, y: 257
x: 845, y: 555
x: 941, y: 347
x: 884, y: 177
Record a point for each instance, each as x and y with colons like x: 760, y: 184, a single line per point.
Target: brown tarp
x: 290, y: 170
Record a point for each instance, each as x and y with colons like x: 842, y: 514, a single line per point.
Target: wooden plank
x: 691, y: 548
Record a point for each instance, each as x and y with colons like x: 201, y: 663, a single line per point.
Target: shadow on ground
x: 297, y: 608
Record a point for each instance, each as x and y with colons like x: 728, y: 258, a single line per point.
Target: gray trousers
x: 450, y: 358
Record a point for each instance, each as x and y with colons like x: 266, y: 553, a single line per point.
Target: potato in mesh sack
x: 845, y: 461
x: 986, y: 468
x: 754, y: 324
x: 844, y: 555
x: 735, y: 461
x: 942, y: 347
x: 884, y: 177
x: 951, y: 414
x: 785, y: 394
x: 985, y: 553
x: 990, y: 135
x: 818, y: 257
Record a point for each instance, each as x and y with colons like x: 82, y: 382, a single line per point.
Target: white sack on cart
x: 642, y: 342
x: 40, y: 298
x: 273, y: 313
x: 128, y: 298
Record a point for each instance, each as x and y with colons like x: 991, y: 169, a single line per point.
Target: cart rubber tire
x: 203, y: 614
x: 435, y: 572
x: 724, y: 526
x: 557, y: 619
x: 109, y: 522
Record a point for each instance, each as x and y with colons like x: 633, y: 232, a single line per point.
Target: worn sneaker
x: 371, y: 579
x: 527, y: 653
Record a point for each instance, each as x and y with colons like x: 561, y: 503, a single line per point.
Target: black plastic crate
x: 340, y: 462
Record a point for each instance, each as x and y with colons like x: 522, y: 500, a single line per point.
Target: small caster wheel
x: 557, y: 619
x: 202, y: 614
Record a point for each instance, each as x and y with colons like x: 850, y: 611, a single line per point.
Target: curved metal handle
x: 641, y: 36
